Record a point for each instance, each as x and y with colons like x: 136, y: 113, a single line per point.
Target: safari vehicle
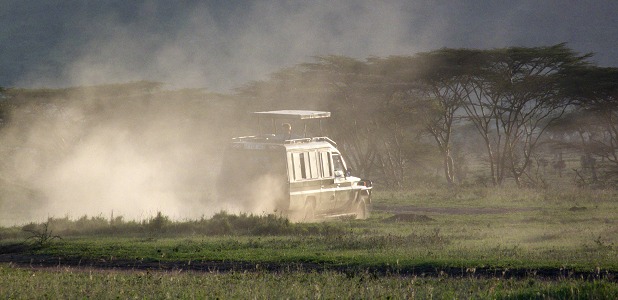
x: 298, y: 176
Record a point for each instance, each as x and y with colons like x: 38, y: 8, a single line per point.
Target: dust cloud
x: 90, y: 152
x: 95, y: 154
x: 261, y: 196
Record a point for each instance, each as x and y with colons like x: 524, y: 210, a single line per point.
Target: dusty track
x: 448, y: 210
x: 38, y: 261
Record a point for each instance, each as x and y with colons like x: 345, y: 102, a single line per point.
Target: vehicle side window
x: 290, y: 167
x: 296, y: 161
x: 303, y: 165
x: 313, y: 164
x: 309, y: 165
x: 326, y: 164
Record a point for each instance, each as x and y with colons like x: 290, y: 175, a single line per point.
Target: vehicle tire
x: 361, y: 210
x: 309, y: 212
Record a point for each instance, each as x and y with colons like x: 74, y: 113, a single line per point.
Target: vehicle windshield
x: 338, y: 164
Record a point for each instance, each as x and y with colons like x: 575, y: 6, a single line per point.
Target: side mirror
x: 348, y: 172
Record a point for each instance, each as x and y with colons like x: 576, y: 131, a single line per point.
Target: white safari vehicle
x: 298, y: 176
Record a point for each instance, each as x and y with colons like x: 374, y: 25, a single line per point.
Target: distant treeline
x: 515, y: 109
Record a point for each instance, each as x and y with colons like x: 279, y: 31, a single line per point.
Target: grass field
x: 67, y: 283
x: 479, y: 243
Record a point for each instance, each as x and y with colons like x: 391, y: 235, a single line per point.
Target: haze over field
x: 155, y: 148
x: 87, y: 153
x: 224, y: 44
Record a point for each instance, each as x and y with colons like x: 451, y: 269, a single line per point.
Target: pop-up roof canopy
x: 293, y: 114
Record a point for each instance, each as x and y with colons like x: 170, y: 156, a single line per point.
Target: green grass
x: 472, y: 230
x: 364, y: 251
x: 62, y: 283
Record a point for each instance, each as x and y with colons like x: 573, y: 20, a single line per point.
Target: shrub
x: 41, y: 235
x: 159, y: 223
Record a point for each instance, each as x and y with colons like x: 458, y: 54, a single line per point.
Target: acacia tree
x: 435, y: 85
x: 595, y: 120
x: 513, y: 98
x: 377, y: 122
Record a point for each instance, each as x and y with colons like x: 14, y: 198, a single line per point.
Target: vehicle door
x: 314, y: 183
x: 343, y: 187
x: 327, y: 179
x: 307, y: 182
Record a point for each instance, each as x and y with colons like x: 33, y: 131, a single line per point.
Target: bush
x: 221, y: 223
x: 42, y: 235
x: 159, y: 223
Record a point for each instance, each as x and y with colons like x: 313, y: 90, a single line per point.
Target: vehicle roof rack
x: 293, y: 114
x: 272, y: 139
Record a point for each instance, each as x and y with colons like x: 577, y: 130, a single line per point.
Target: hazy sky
x: 224, y: 44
